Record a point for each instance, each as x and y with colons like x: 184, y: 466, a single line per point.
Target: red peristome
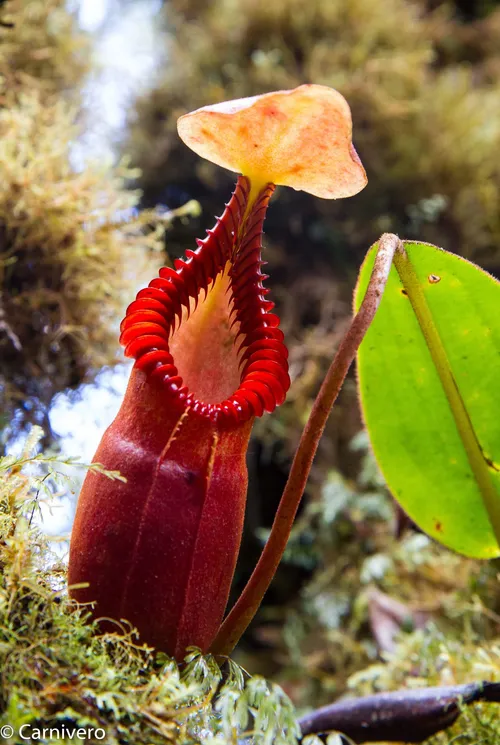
x: 151, y: 318
x: 160, y: 550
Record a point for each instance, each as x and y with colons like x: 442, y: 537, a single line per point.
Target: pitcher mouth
x: 231, y: 252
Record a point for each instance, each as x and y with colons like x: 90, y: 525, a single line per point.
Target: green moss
x: 70, y: 263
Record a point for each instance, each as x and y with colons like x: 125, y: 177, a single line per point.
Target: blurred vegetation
x: 42, y: 48
x: 424, y: 91
x: 72, y: 245
x: 423, y: 83
x: 384, y: 607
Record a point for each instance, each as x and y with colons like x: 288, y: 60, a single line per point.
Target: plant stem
x: 460, y: 414
x: 249, y: 601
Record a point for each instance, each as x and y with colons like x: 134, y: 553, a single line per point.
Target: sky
x: 127, y: 53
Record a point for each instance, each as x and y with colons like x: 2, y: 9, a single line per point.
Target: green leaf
x: 429, y: 381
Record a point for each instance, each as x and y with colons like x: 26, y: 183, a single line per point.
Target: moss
x: 43, y: 49
x: 72, y: 246
x: 69, y: 262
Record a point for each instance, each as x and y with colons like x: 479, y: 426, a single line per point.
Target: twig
x: 409, y: 716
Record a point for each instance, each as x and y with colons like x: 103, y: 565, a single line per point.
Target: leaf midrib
x: 472, y: 447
